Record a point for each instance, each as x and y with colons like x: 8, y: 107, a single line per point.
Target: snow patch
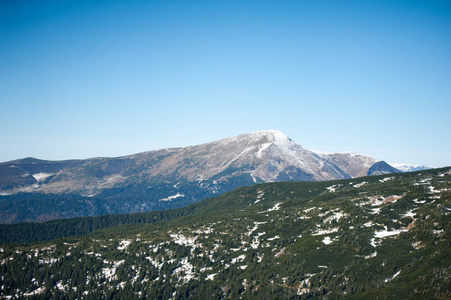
x: 419, y: 201
x: 254, y: 228
x: 371, y: 255
x: 309, y: 209
x: 386, y: 233
x: 417, y: 245
x: 110, y: 273
x: 38, y: 291
x: 304, y: 285
x: 360, y: 184
x: 274, y: 238
x: 332, y: 188
x: 322, y: 231
x: 377, y: 201
x: 386, y: 179
x: 41, y: 176
x: 155, y: 262
x: 182, y: 240
x: 409, y: 213
x: 48, y: 261
x: 368, y: 224
x: 256, y: 242
x: 383, y: 234
x: 253, y: 177
x: 259, y: 197
x: 393, y: 277
x: 337, y: 215
x: 238, y: 259
x: 170, y: 198
x: 262, y: 148
x: 123, y: 245
x: 438, y: 232
x: 278, y: 254
x: 186, y: 268
x: 375, y: 210
x: 327, y: 240
x: 274, y: 208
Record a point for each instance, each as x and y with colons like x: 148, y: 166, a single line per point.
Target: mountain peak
x: 271, y: 136
x: 259, y: 140
x: 278, y: 136
x: 270, y: 132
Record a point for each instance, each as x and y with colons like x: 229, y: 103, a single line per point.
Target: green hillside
x: 378, y: 237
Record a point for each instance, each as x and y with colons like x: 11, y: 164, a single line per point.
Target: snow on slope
x: 409, y: 167
x: 265, y: 155
x: 284, y: 159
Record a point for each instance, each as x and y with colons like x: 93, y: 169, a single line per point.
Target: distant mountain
x: 166, y: 178
x: 354, y: 164
x: 380, y: 168
x: 410, y: 167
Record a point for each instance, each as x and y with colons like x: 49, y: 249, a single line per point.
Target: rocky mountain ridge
x: 175, y: 177
x: 265, y: 156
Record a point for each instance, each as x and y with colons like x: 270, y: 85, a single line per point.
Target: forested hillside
x: 378, y: 237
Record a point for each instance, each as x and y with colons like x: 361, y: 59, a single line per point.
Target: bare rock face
x: 265, y: 156
x: 354, y: 164
x: 179, y: 176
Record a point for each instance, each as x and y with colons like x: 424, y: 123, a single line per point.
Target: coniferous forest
x: 377, y: 237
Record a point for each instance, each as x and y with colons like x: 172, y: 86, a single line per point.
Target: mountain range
x: 166, y: 178
x: 410, y: 167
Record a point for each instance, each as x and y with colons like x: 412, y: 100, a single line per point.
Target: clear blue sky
x: 81, y: 79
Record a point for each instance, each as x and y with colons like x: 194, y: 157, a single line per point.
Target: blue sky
x: 82, y: 79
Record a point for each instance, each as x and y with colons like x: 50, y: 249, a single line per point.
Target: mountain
x: 381, y: 167
x: 38, y: 190
x: 410, y: 167
x: 376, y: 237
x: 354, y: 164
x: 261, y: 157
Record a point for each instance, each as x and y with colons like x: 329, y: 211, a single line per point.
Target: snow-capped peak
x: 409, y: 167
x: 273, y: 134
x: 276, y: 137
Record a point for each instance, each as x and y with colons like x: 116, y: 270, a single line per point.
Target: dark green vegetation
x: 41, y: 207
x: 32, y: 232
x: 32, y: 206
x: 378, y: 237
